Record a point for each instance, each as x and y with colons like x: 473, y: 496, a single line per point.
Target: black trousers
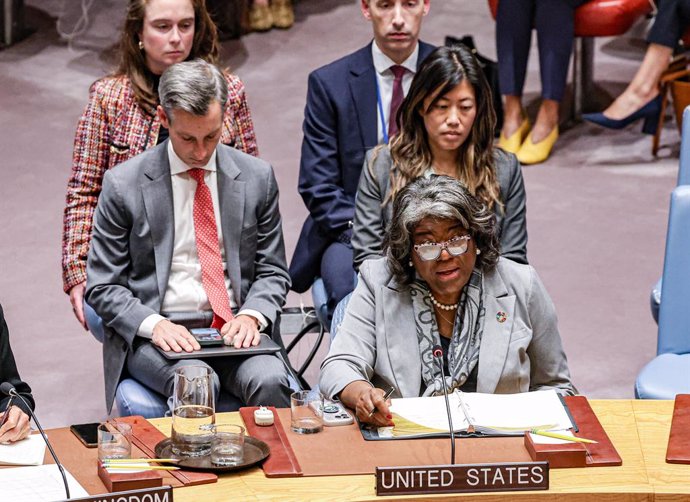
x: 672, y: 19
x: 554, y: 21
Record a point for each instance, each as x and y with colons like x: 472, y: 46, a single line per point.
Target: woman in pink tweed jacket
x: 120, y: 122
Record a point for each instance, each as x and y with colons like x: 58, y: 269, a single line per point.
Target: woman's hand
x: 16, y: 427
x: 364, y: 399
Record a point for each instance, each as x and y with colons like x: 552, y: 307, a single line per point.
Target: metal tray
x: 255, y: 451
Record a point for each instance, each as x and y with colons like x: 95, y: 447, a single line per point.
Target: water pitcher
x: 193, y: 411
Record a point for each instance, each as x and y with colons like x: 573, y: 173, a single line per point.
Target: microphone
x: 437, y: 352
x: 8, y: 389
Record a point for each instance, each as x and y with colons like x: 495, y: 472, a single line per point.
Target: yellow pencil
x: 134, y: 460
x: 142, y: 467
x: 562, y: 436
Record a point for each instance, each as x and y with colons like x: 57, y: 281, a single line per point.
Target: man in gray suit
x: 190, y: 225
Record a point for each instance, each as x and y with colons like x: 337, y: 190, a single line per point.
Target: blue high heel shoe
x: 649, y: 112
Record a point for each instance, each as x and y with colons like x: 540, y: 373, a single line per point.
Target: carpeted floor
x: 597, y: 209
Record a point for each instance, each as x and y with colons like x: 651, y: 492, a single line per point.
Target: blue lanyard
x: 383, y: 117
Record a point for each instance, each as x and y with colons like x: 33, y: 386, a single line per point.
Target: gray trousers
x: 256, y: 380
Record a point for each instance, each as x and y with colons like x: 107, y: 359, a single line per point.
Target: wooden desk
x: 638, y: 429
x: 669, y: 481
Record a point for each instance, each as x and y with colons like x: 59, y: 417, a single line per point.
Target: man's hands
x: 76, y: 298
x: 364, y: 398
x: 16, y: 427
x: 242, y: 331
x: 169, y: 336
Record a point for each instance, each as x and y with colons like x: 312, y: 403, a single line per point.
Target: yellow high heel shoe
x: 260, y: 17
x: 536, y: 153
x: 512, y: 144
x: 283, y: 14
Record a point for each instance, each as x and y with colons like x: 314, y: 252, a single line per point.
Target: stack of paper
x: 29, y: 451
x: 489, y: 414
x: 37, y: 484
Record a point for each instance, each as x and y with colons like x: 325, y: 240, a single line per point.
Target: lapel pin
x: 501, y: 316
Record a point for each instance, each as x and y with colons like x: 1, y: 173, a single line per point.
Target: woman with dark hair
x: 120, y: 120
x: 446, y: 126
x: 442, y: 283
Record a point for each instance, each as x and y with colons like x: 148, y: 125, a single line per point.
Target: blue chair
x: 669, y: 373
x: 339, y: 315
x: 320, y: 299
x: 683, y: 179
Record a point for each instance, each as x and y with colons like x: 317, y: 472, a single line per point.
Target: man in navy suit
x: 348, y: 111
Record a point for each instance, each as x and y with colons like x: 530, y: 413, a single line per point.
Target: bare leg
x: 513, y: 115
x: 644, y: 86
x: 547, y: 120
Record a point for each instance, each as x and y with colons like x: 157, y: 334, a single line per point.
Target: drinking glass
x: 227, y: 446
x: 306, y: 411
x: 193, y: 411
x: 114, y: 440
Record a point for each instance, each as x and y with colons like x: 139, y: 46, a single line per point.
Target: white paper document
x: 42, y: 483
x: 29, y: 451
x: 491, y: 414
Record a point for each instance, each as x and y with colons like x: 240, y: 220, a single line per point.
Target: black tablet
x: 266, y: 346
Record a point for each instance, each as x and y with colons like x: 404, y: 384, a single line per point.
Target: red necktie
x: 398, y: 95
x: 206, y: 232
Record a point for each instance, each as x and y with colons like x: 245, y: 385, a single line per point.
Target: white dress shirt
x: 185, y: 291
x: 385, y: 79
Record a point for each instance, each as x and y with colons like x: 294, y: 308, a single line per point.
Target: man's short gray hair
x: 192, y: 86
x: 443, y: 198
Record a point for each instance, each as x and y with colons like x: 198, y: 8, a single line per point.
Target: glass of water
x: 306, y: 411
x: 114, y: 440
x: 193, y: 411
x: 227, y: 446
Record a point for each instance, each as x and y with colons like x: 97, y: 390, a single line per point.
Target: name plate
x: 159, y: 494
x: 462, y: 478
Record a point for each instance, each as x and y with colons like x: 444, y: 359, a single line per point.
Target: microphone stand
x: 438, y: 353
x: 13, y: 393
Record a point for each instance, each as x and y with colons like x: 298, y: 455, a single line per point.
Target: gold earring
x: 141, y: 45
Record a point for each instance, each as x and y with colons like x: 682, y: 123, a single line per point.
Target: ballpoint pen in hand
x: 385, y: 398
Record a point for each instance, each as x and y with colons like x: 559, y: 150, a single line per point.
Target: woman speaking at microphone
x: 442, y: 282
x: 15, y: 421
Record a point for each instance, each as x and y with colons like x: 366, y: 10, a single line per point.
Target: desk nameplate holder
x: 161, y: 494
x: 678, y: 450
x: 433, y: 479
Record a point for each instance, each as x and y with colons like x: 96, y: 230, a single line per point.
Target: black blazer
x: 8, y: 370
x: 339, y: 127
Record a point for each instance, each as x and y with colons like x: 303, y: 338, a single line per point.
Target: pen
x: 6, y: 415
x: 385, y: 397
x: 562, y: 436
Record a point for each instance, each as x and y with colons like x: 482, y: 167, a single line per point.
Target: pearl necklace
x: 442, y: 306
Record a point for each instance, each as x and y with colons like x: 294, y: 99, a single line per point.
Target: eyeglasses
x: 432, y: 250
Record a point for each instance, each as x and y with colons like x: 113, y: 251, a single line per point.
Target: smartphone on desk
x: 87, y: 433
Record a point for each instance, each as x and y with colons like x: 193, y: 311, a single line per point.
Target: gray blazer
x: 132, y: 244
x: 377, y: 341
x: 371, y: 220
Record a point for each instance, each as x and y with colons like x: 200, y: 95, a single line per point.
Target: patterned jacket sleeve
x: 239, y: 117
x: 89, y: 162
